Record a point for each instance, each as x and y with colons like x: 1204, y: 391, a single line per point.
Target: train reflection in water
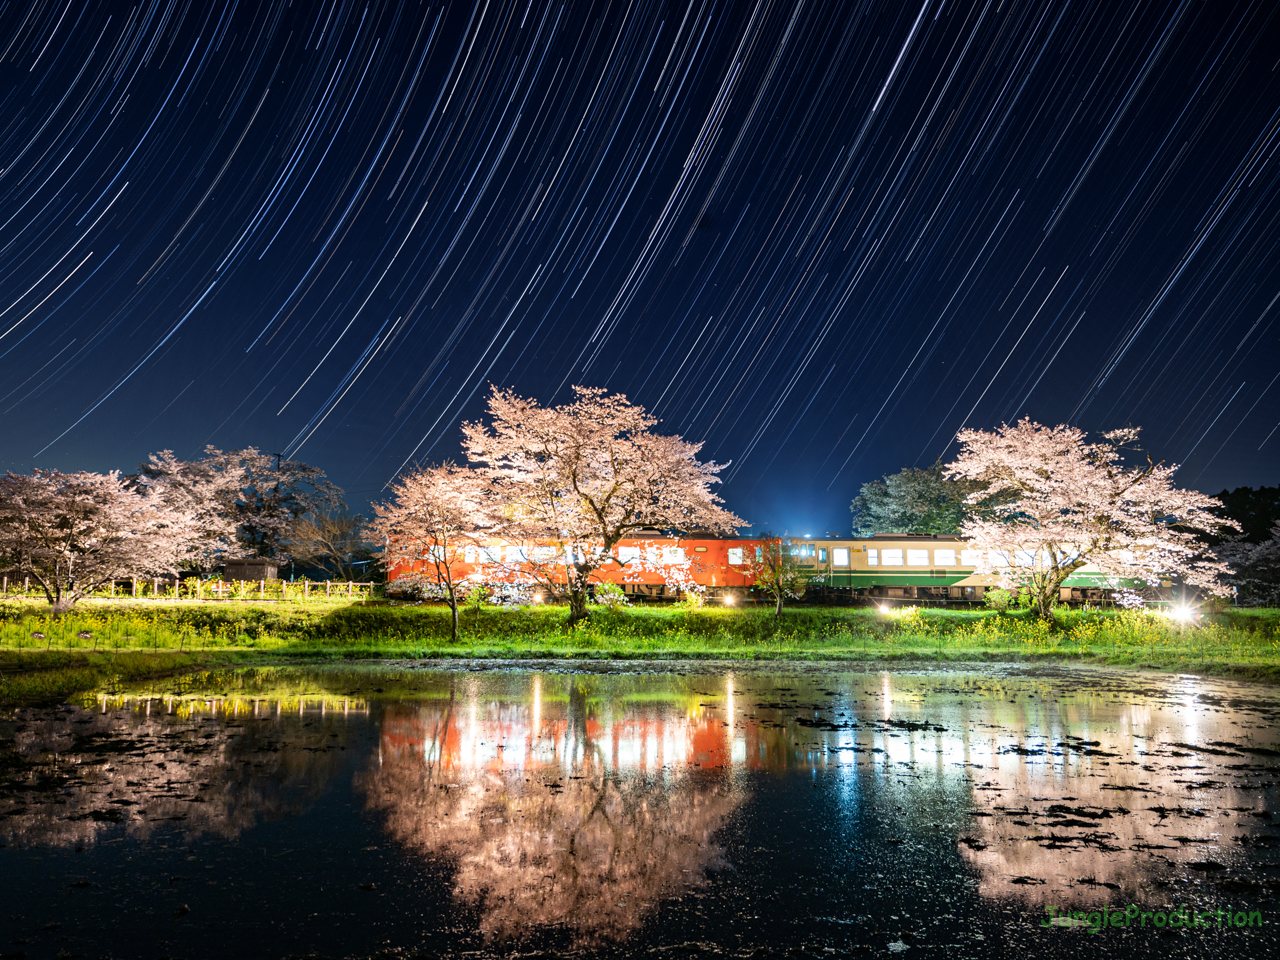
x: 579, y: 804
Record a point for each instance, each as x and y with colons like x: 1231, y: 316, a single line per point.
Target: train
x: 926, y: 569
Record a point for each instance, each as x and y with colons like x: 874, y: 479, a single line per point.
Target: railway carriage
x: 919, y: 568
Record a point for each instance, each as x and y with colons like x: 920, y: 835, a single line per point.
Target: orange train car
x: 644, y: 567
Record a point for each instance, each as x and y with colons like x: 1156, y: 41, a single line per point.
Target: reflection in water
x: 563, y: 813
x: 585, y: 808
x: 583, y: 804
x: 1109, y: 789
x: 207, y: 765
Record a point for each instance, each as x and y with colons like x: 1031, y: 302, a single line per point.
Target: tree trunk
x: 578, y: 610
x: 453, y: 609
x: 578, y: 578
x: 777, y: 611
x: 1052, y: 590
x: 62, y: 605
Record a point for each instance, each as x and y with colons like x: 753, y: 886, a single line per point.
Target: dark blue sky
x: 819, y: 236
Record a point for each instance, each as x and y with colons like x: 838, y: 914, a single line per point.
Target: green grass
x: 53, y: 676
x: 101, y: 639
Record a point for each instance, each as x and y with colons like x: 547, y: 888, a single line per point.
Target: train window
x: 469, y: 554
x: 873, y: 557
x: 628, y: 554
x: 673, y: 554
x: 970, y: 558
x: 822, y: 554
x: 543, y: 554
x: 892, y: 558
x: 944, y: 558
x: 759, y: 554
x: 840, y: 556
x: 517, y: 554
x: 917, y: 558
x: 1024, y: 558
x: 735, y: 556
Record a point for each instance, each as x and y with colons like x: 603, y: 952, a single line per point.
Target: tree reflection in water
x: 205, y: 767
x: 553, y: 815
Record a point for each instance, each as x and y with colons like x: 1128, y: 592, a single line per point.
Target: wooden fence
x: 217, y: 590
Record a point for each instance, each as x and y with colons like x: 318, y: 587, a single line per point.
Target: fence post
x: 135, y: 588
x: 350, y: 586
x: 327, y: 585
x: 6, y: 584
x: 155, y: 588
x: 262, y: 589
x: 306, y: 588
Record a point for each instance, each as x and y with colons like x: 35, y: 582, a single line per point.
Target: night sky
x: 820, y: 237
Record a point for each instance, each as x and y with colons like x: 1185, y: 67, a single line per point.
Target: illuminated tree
x: 263, y: 496
x: 1067, y: 503
x: 776, y: 572
x: 74, y: 532
x: 198, y: 493
x: 436, y: 514
x: 582, y: 476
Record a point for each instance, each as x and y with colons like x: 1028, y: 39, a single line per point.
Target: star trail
x: 820, y: 237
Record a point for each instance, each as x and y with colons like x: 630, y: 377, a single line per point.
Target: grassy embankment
x: 131, y: 640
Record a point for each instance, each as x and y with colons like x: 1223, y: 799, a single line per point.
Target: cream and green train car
x: 931, y: 568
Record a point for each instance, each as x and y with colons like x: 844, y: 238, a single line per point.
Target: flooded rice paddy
x: 714, y: 810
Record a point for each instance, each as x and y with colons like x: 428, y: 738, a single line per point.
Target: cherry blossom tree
x: 582, y: 476
x: 435, y: 516
x: 775, y: 572
x: 73, y: 532
x: 1067, y: 503
x: 198, y: 494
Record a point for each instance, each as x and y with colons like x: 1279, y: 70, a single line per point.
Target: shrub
x: 998, y: 599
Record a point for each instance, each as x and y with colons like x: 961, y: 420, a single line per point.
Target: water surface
x: 603, y: 811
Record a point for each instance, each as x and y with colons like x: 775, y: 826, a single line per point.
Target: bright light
x: 728, y: 601
x: 1183, y: 614
x: 884, y: 608
x: 537, y: 598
